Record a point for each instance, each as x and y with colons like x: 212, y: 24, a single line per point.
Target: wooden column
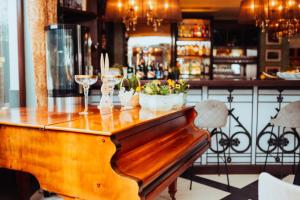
x: 40, y: 14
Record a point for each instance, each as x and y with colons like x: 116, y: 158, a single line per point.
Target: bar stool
x: 212, y: 114
x: 287, y: 117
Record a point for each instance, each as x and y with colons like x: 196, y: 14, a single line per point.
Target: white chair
x: 212, y: 114
x: 287, y: 117
x: 271, y: 188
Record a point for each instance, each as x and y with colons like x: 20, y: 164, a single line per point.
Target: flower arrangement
x: 156, y: 87
x: 165, y: 96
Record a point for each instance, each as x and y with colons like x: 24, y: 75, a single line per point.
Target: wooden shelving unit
x: 237, y: 60
x: 192, y: 56
x: 192, y: 39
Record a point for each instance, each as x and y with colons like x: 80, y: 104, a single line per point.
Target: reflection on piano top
x: 55, y: 118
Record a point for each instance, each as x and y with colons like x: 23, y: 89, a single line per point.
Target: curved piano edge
x: 114, y: 164
x: 151, y: 191
x: 169, y: 175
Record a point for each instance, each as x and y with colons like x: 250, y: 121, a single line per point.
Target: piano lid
x: 55, y: 118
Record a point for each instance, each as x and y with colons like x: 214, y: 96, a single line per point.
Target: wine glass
x: 113, y: 80
x: 86, y: 81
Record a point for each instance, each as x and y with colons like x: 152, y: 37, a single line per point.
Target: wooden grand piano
x: 127, y: 154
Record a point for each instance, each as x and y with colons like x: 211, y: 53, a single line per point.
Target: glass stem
x: 86, y: 97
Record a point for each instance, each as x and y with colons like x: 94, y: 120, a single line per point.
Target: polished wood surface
x: 124, y: 154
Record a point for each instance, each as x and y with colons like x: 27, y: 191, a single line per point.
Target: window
x: 9, y: 81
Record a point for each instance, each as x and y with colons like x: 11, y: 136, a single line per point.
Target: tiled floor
x: 205, y: 187
x: 214, y: 187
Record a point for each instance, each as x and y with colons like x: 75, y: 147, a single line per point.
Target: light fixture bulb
x: 166, y: 5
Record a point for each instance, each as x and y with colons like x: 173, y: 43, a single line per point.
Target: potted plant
x: 160, y: 96
x: 129, y: 92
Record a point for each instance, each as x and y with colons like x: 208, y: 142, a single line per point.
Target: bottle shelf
x: 193, y: 56
x: 192, y: 39
x: 232, y: 60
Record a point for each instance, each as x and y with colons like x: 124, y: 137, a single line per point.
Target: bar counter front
x: 124, y: 154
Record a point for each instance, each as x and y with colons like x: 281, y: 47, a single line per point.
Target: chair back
x: 288, y: 116
x: 270, y: 187
x: 211, y: 114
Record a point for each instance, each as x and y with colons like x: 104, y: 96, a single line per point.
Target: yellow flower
x: 177, y: 86
x: 181, y: 81
x: 138, y: 89
x: 171, y: 82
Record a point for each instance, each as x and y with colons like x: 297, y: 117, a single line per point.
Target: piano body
x: 123, y: 155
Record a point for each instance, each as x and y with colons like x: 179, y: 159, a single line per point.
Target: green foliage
x: 170, y: 87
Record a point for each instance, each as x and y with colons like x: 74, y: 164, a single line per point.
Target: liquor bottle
x: 204, y: 51
x: 201, y: 51
x: 139, y: 72
x: 195, y: 30
x: 151, y: 72
x: 129, y: 72
x: 207, y: 32
x: 199, y: 32
x: 191, y: 30
x: 204, y: 31
x: 206, y: 69
x: 166, y: 73
x: 159, y: 71
x: 170, y: 73
x: 195, y: 50
x: 179, y: 31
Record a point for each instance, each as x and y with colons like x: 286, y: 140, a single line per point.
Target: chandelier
x: 152, y: 12
x: 279, y: 17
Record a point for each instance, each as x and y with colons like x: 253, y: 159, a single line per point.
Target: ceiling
x: 223, y: 9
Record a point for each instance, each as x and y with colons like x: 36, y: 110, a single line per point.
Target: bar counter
x: 198, y: 84
x: 270, y: 84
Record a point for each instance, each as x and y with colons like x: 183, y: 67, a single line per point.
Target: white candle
x: 106, y: 63
x: 102, y: 64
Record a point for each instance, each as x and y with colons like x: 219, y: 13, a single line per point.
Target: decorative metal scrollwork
x: 221, y: 142
x: 232, y: 142
x: 268, y: 142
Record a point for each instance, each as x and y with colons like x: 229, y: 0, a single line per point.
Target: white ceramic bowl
x: 162, y: 102
x: 288, y: 76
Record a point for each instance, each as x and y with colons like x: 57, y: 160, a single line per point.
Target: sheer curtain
x: 3, y: 49
x: 9, y: 81
x: 40, y: 14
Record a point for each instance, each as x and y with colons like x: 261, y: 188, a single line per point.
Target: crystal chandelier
x: 130, y: 18
x: 153, y: 12
x: 278, y: 17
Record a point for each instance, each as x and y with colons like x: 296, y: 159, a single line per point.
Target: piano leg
x: 173, y: 189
